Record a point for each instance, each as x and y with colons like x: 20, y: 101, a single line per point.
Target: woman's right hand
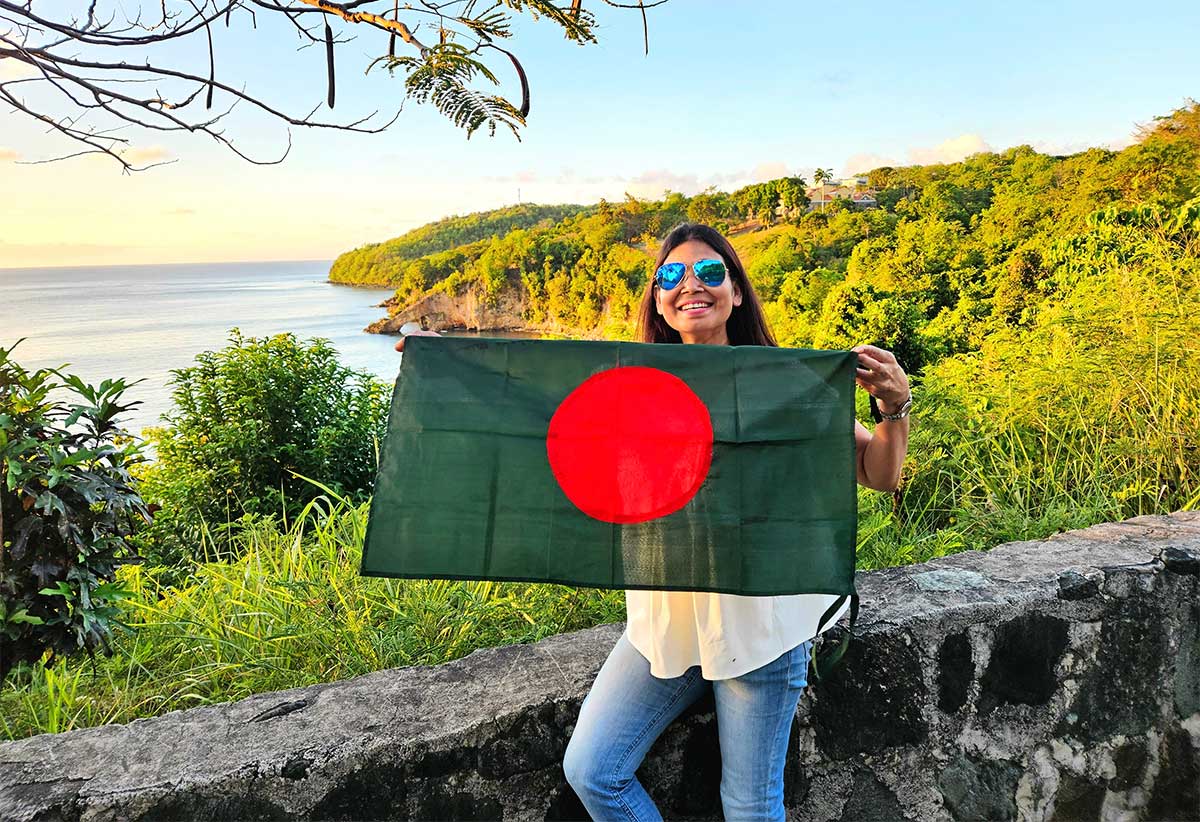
x: 421, y: 333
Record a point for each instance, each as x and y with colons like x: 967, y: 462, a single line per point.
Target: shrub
x: 249, y: 423
x: 67, y: 507
x: 291, y: 611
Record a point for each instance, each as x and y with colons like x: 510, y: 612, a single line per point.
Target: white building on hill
x: 855, y: 189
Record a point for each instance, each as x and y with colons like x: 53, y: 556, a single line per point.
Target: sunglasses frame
x: 659, y: 279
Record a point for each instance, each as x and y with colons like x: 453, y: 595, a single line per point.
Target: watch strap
x: 879, y: 416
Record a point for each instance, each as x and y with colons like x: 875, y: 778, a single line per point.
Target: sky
x: 730, y: 93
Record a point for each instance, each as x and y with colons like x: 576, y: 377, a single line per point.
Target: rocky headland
x: 439, y: 311
x: 468, y: 311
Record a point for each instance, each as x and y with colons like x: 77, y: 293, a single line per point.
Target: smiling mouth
x: 694, y: 307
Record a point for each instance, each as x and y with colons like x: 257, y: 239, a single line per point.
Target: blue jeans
x: 627, y: 709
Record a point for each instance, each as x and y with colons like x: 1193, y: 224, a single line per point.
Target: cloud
x: 575, y: 185
x: 25, y: 247
x: 862, y: 163
x: 136, y: 156
x: 732, y: 180
x: 1056, y: 147
x: 949, y: 151
x: 569, y: 176
x: 769, y: 171
x: 959, y: 148
x: 7, y: 155
x: 760, y: 173
x: 1065, y: 147
x: 653, y: 183
x: 11, y: 69
x: 1119, y: 143
x: 952, y: 150
x: 31, y: 255
x: 145, y: 154
x: 525, y: 176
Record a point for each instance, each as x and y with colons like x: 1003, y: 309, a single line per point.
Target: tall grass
x: 991, y: 461
x: 1089, y: 414
x: 292, y: 611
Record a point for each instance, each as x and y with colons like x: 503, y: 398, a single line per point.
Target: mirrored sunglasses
x: 709, y: 272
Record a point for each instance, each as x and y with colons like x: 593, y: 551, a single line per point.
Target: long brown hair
x: 745, y: 326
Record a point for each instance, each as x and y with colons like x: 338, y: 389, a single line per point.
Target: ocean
x: 139, y: 322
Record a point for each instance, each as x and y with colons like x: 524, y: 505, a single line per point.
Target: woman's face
x: 697, y: 311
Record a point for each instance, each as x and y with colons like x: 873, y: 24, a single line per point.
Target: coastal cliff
x: 439, y: 311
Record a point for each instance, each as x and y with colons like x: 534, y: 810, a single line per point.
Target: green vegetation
x: 67, y: 508
x: 385, y: 262
x: 292, y: 610
x: 250, y: 424
x: 1045, y: 308
x: 955, y: 253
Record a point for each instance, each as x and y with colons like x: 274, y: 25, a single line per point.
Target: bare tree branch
x: 344, y: 12
x: 94, y: 93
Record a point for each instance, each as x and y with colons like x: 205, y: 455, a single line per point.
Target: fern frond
x: 492, y: 23
x: 577, y: 25
x: 443, y: 77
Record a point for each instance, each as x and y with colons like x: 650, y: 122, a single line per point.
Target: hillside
x: 383, y: 263
x: 952, y: 254
x: 1046, y: 309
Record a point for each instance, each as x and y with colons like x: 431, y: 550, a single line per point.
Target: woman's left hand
x: 882, y: 377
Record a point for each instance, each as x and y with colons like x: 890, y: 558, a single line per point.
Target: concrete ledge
x: 1044, y: 680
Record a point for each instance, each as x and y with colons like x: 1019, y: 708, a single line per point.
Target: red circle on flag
x: 630, y: 444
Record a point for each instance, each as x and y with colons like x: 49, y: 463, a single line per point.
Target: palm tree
x: 822, y: 176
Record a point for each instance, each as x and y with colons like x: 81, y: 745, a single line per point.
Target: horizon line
x: 149, y: 265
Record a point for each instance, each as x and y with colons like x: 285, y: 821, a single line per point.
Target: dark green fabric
x: 465, y: 489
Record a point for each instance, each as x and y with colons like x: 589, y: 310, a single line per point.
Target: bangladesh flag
x: 619, y: 465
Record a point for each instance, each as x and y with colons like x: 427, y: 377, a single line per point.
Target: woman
x: 752, y: 651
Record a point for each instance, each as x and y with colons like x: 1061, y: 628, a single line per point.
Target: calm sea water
x: 141, y: 321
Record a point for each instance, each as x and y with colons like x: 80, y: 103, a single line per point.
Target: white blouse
x: 727, y: 635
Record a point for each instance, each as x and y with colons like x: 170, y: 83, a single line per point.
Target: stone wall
x: 1047, y: 680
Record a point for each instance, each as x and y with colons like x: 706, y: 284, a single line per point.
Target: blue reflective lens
x: 709, y: 272
x: 670, y: 274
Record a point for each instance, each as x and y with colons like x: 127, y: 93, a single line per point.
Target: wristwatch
x: 901, y: 414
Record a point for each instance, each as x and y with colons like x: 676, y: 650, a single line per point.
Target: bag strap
x: 830, y: 658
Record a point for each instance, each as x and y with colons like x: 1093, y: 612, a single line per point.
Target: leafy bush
x: 291, y: 611
x: 1086, y: 414
x: 250, y: 422
x: 68, y: 506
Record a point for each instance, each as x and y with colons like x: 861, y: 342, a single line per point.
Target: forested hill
x: 998, y: 243
x: 381, y: 263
